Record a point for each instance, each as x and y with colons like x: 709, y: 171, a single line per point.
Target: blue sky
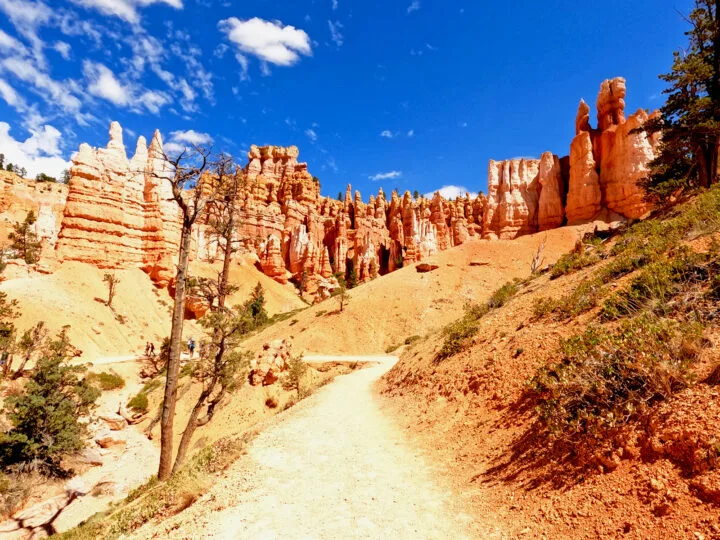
x: 413, y: 94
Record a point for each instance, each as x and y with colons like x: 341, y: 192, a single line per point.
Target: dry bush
x: 610, y: 377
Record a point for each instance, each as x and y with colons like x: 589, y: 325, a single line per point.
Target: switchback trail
x: 333, y: 466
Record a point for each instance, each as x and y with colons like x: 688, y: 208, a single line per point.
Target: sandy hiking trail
x: 333, y: 466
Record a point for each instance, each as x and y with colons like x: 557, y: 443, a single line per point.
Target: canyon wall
x: 120, y: 213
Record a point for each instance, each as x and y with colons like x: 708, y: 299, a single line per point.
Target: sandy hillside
x: 71, y: 294
x: 386, y: 311
x: 278, y: 298
x: 471, y: 413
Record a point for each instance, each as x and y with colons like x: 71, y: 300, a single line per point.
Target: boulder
x: 114, y: 421
x: 426, y: 267
x: 111, y: 439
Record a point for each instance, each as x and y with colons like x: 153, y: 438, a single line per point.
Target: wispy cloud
x: 414, y: 6
x: 387, y: 134
x: 126, y: 10
x: 385, y: 176
x: 311, y: 134
x: 336, y: 32
x: 411, y: 133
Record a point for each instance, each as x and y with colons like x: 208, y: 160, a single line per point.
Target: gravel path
x: 332, y: 467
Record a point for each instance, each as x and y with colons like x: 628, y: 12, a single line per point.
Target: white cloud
x: 411, y: 133
x: 312, y: 135
x: 104, y: 84
x: 54, y: 92
x: 40, y: 153
x: 414, y: 6
x: 26, y: 16
x: 154, y: 100
x: 387, y: 134
x: 452, y: 192
x: 126, y: 10
x: 172, y: 148
x: 334, y: 4
x: 385, y: 176
x: 9, y: 94
x: 335, y: 32
x: 270, y: 41
x: 10, y: 44
x: 63, y: 49
x: 190, y: 137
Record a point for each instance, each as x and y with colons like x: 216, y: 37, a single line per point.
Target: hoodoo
x: 119, y: 212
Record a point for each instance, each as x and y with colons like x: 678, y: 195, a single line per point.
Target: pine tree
x: 24, y: 240
x: 255, y: 306
x: 690, y: 118
x: 45, y: 416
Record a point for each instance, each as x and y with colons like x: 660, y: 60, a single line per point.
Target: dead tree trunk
x: 168, y: 410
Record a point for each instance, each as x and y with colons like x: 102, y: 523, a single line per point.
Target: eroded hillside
x: 583, y: 401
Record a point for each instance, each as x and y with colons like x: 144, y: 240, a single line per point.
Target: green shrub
x: 295, y: 373
x: 321, y: 313
x: 139, y: 403
x: 106, y: 381
x: 412, y: 339
x: 607, y: 378
x: 45, y: 416
x: 583, y: 298
x: 501, y: 296
x: 574, y: 261
x: 459, y: 332
x: 543, y: 306
x: 656, y: 284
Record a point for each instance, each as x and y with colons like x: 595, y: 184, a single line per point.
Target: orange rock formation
x: 119, y: 212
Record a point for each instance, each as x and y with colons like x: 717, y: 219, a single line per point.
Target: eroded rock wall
x: 119, y: 211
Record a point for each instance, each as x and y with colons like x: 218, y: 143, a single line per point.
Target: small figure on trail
x: 152, y: 349
x: 147, y: 348
x: 191, y: 346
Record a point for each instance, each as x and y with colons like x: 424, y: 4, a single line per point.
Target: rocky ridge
x: 119, y: 211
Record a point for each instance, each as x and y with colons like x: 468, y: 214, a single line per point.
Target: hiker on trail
x: 147, y: 348
x: 152, y: 349
x: 191, y: 346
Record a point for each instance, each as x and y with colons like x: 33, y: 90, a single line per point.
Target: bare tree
x: 219, y: 365
x: 192, y: 194
x: 112, y: 281
x: 538, y: 258
x: 220, y: 369
x: 223, y: 217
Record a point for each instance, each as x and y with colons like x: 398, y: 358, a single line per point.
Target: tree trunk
x: 225, y: 276
x: 20, y: 369
x: 168, y: 410
x: 704, y: 160
x: 190, y: 429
